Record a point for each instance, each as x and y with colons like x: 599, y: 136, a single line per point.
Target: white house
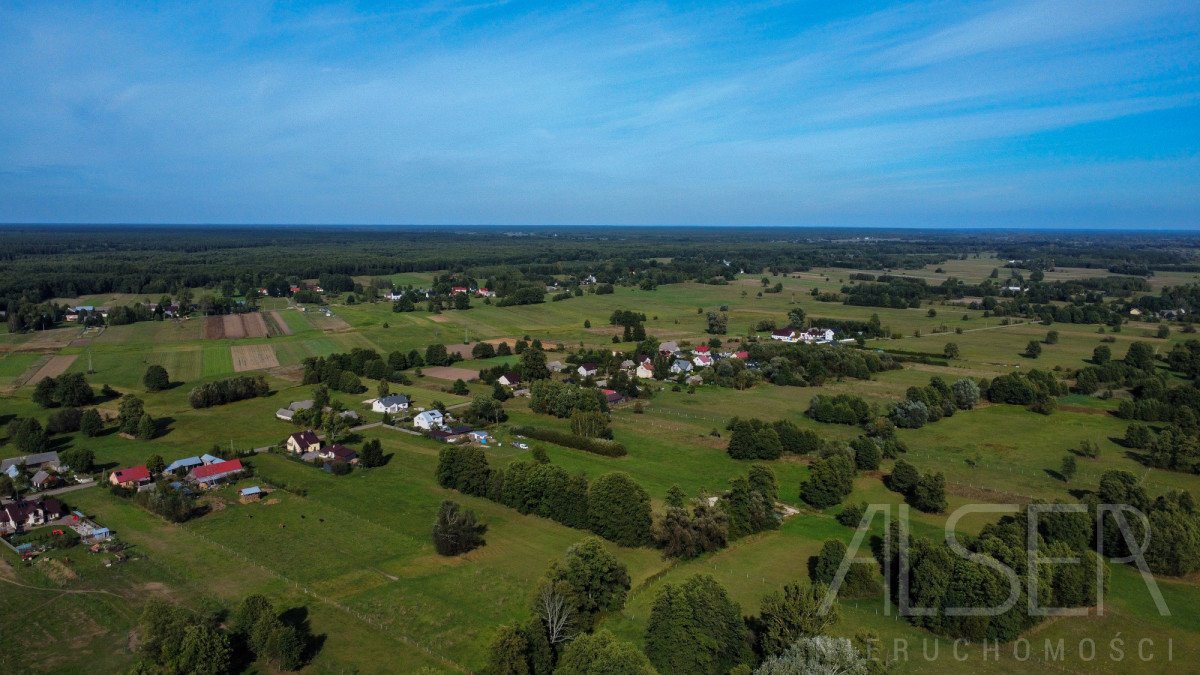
x: 430, y: 419
x: 510, y: 379
x: 817, y: 335
x: 390, y: 404
x: 587, y: 370
x: 303, y: 441
x: 645, y: 373
x: 681, y: 366
x: 785, y: 335
x: 702, y: 360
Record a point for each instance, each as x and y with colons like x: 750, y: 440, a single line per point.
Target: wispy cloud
x: 934, y: 113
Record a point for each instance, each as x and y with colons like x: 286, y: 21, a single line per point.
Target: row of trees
x: 612, y: 506
x: 177, y: 640
x: 228, y: 391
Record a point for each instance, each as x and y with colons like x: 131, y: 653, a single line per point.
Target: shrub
x: 599, y: 446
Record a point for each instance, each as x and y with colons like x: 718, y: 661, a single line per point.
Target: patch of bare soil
x: 234, y: 327
x: 214, y: 327
x: 57, y: 365
x: 253, y: 357
x: 254, y: 325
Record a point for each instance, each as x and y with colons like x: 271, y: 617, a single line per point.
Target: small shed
x: 250, y: 494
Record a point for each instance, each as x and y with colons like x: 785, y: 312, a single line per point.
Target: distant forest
x: 42, y: 262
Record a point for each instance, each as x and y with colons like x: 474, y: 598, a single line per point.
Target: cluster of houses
x: 309, y: 448
x: 454, y: 290
x: 812, y: 336
x: 84, y: 311
x: 203, y: 471
x: 288, y: 414
x: 44, y: 467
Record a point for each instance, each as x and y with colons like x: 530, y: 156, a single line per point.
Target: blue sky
x: 1069, y: 113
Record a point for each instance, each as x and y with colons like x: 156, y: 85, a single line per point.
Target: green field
x: 356, y: 550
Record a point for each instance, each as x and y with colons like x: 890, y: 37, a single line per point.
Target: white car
x: 521, y: 446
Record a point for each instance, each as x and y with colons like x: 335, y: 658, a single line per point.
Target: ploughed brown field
x: 233, y: 326
x: 253, y: 357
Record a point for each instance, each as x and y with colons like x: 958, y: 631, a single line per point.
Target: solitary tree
x: 1068, y: 468
x: 950, y: 351
x: 455, y: 530
x: 792, y: 614
x: 156, y: 378
x: 1033, y: 349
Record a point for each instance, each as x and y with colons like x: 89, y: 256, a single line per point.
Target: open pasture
x: 451, y: 373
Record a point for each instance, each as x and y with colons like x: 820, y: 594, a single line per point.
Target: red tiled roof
x: 702, y: 349
x: 133, y: 473
x: 742, y: 355
x: 217, y: 469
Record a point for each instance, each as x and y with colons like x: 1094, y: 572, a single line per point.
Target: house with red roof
x: 131, y: 477
x: 612, y: 396
x: 210, y: 475
x: 742, y: 355
x: 702, y: 349
x: 459, y: 290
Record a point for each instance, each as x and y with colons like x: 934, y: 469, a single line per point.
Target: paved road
x: 61, y: 490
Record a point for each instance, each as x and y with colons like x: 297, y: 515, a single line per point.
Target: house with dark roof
x: 303, y: 441
x: 210, y: 475
x: 132, y: 477
x: 785, y: 335
x: 681, y: 366
x: 612, y: 396
x: 393, y: 404
x: 451, y: 434
x: 510, y: 379
x: 43, y: 479
x: 22, y: 514
x: 339, y: 453
x: 588, y: 370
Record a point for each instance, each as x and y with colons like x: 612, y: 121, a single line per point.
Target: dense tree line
x: 804, y: 365
x: 613, y: 506
x: 228, y: 391
x: 562, y: 399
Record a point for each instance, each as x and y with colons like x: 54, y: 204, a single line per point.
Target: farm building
x: 183, y: 465
x: 303, y: 441
x: 285, y: 414
x: 131, y: 477
x: 250, y: 494
x: 42, y: 460
x: 212, y: 474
